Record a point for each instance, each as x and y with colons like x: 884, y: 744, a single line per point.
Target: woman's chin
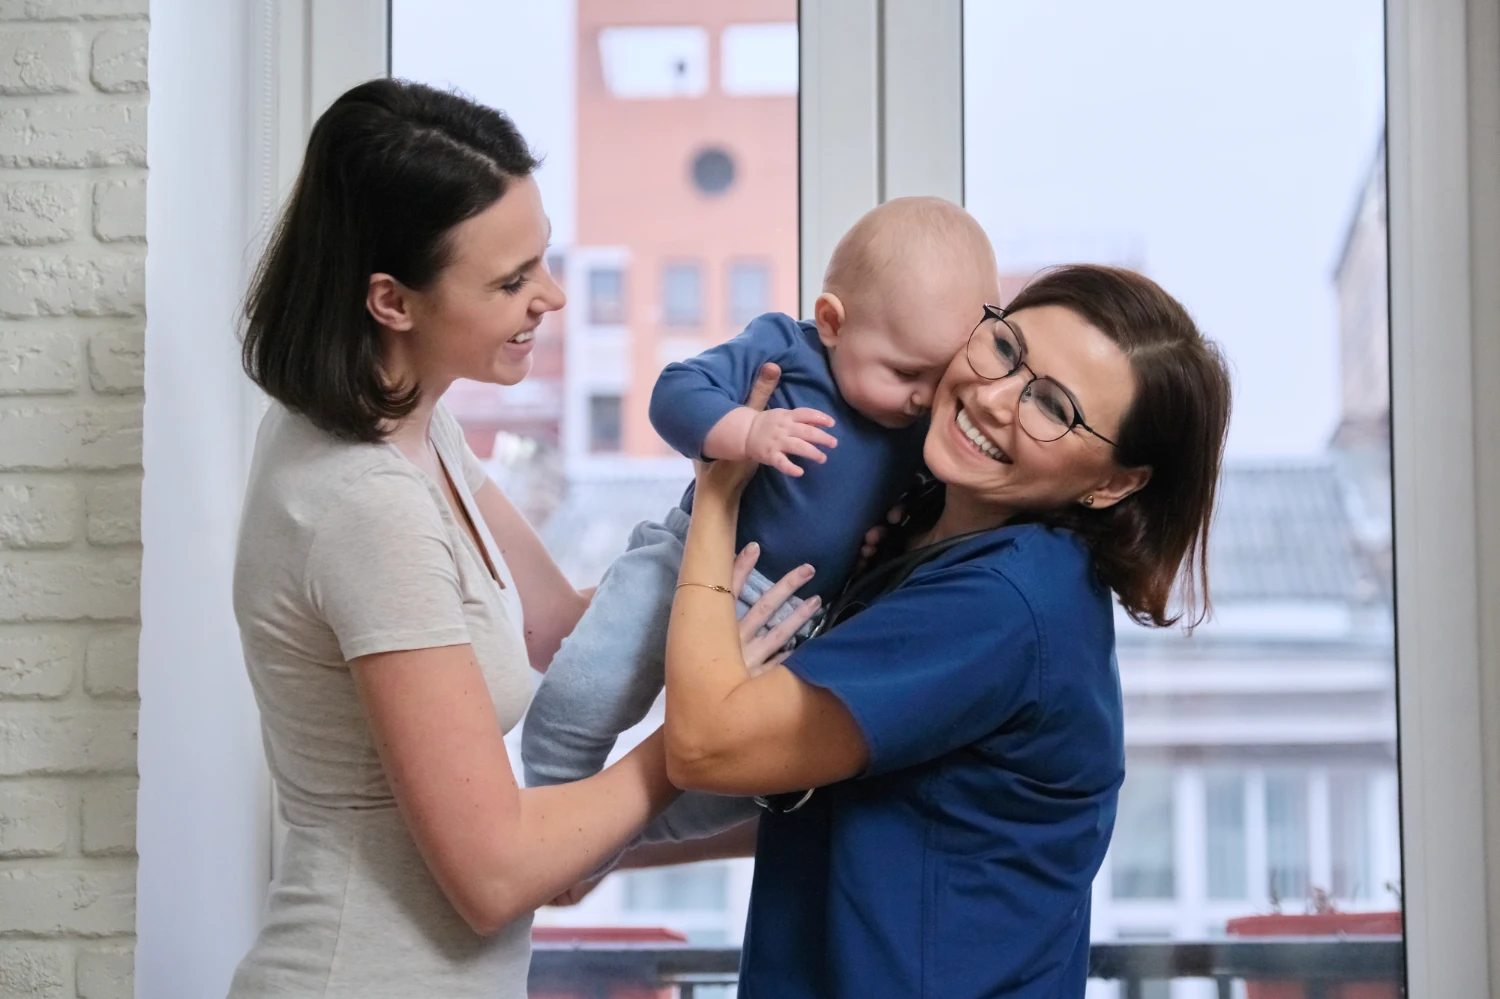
x: 512, y: 373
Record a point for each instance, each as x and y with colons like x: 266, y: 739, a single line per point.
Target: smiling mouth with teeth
x: 525, y: 337
x: 978, y: 439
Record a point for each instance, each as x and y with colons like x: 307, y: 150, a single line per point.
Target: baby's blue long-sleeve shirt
x: 821, y: 517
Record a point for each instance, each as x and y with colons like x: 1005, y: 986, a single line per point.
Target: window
x: 1224, y: 806
x: 749, y: 291
x: 678, y: 889
x: 1286, y: 838
x: 713, y: 171
x: 604, y: 424
x: 654, y: 61
x: 760, y: 60
x: 606, y: 296
x: 1156, y: 142
x: 1349, y: 820
x: 682, y: 294
x: 1143, y: 851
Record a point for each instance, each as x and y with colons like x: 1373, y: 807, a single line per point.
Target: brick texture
x: 36, y: 360
x: 37, y: 665
x: 39, y: 61
x: 106, y: 973
x: 38, y: 514
x: 35, y: 971
x: 110, y: 662
x: 117, y: 361
x: 34, y: 213
x: 73, y: 100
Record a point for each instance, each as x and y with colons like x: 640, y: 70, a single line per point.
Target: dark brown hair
x: 1154, y: 541
x: 391, y: 168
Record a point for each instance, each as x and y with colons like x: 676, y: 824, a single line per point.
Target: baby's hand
x: 778, y: 434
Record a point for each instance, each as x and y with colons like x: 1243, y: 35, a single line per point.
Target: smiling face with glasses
x: 1009, y: 428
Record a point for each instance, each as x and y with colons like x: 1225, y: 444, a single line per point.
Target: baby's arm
x: 696, y: 405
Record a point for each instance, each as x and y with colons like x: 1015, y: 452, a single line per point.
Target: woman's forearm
x: 704, y: 660
x: 566, y: 832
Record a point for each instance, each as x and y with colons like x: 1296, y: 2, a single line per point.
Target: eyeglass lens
x: 1046, y: 411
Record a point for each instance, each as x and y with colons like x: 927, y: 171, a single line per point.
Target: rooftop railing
x: 1313, y: 967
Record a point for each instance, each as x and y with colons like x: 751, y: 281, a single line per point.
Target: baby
x: 902, y: 292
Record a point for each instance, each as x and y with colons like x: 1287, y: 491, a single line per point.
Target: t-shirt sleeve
x: 936, y: 665
x: 381, y: 572
x: 691, y: 396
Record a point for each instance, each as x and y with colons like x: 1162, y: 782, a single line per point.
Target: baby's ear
x: 828, y: 313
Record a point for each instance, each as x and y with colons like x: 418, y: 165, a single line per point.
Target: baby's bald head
x: 904, y: 243
x: 903, y: 290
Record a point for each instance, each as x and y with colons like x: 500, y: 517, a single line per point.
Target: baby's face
x: 889, y: 359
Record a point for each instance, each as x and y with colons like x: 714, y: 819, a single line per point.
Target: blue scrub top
x: 959, y: 865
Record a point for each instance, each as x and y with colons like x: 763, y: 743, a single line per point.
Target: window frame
x: 881, y: 116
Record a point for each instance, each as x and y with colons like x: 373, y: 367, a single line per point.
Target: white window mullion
x: 839, y: 128
x: 1443, y: 86
x: 922, y: 96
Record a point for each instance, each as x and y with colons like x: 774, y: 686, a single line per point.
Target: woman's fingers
x: 783, y: 632
x: 743, y: 563
x: 764, y: 650
x: 757, y: 616
x: 765, y: 384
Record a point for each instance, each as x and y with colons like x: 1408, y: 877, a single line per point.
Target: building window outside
x: 1349, y: 823
x: 1286, y: 837
x: 682, y: 294
x: 713, y: 171
x: 604, y: 424
x: 749, y: 291
x: 1144, y: 843
x: 606, y: 296
x: 694, y: 888
x: 1224, y: 802
x: 759, y: 60
x: 652, y: 62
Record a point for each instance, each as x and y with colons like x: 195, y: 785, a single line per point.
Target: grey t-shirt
x: 345, y: 550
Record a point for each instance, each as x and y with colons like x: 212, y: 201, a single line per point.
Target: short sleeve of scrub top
x: 916, y: 700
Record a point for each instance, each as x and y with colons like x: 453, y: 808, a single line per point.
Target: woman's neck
x: 411, y: 434
x: 962, y: 514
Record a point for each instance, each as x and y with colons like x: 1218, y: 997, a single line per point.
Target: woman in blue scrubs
x: 963, y: 731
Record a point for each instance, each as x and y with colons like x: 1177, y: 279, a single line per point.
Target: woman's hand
x: 876, y: 535
x: 764, y: 651
x: 724, y: 480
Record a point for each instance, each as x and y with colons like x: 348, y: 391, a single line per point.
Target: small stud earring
x: 1088, y: 500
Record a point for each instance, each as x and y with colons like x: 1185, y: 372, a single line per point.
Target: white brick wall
x: 72, y: 274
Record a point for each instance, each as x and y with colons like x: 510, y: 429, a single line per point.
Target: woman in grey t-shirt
x: 391, y: 601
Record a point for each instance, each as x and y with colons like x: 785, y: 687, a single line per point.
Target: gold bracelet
x: 709, y: 586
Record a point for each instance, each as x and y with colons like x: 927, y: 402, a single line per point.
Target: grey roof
x: 1283, y: 531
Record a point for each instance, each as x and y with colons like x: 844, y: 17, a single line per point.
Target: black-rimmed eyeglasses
x: 1048, y: 411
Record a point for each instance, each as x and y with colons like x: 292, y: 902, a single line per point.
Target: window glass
x: 682, y: 294
x: 1143, y: 866
x: 604, y: 424
x: 676, y: 889
x: 606, y: 296
x: 1224, y: 801
x: 1286, y: 837
x: 749, y: 291
x: 667, y: 131
x: 1240, y: 163
x: 1349, y: 820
